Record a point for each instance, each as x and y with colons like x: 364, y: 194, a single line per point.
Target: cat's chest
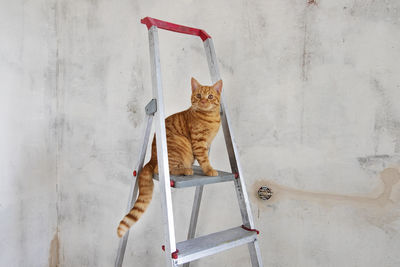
x: 207, y: 127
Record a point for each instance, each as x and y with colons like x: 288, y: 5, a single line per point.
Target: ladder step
x: 207, y: 245
x: 198, y: 178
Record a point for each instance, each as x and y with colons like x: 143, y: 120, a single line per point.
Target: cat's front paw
x: 211, y: 172
x: 188, y: 171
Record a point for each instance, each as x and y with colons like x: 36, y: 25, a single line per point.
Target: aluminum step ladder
x: 193, y: 248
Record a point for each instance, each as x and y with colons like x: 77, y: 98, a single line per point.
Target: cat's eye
x: 198, y: 95
x: 210, y: 96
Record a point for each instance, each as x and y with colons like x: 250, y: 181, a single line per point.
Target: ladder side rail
x: 244, y: 203
x: 195, y: 214
x: 139, y: 165
x: 195, y: 211
x: 255, y: 254
x: 162, y: 152
x: 134, y: 187
x: 240, y: 185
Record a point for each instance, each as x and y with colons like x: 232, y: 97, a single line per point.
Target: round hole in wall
x: 264, y: 193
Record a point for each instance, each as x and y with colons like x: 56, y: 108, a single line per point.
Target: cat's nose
x: 203, y: 101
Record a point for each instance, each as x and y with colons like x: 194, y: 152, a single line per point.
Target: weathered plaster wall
x: 28, y: 133
x: 312, y: 89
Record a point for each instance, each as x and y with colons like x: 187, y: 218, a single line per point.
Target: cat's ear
x: 195, y: 84
x: 218, y: 86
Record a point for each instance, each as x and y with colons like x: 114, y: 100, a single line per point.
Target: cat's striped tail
x: 145, y: 194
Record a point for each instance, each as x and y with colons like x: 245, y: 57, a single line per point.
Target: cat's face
x: 206, y: 98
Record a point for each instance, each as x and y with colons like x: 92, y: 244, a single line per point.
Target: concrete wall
x: 28, y: 134
x: 313, y: 93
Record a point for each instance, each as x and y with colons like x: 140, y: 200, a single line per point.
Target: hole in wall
x: 264, y: 192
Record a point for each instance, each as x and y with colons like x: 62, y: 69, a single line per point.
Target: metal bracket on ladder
x: 151, y: 107
x: 193, y: 248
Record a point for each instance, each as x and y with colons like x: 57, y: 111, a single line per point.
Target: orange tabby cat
x: 189, y: 135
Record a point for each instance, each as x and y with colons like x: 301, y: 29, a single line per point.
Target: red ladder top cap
x: 174, y: 27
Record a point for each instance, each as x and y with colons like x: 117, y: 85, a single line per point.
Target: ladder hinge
x: 151, y: 107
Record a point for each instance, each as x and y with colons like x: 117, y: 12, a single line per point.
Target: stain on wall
x: 389, y: 178
x: 54, y: 253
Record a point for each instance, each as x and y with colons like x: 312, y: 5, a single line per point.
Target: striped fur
x: 189, y: 135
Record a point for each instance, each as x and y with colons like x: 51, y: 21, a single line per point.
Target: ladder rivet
x: 134, y: 173
x: 236, y: 175
x: 175, y: 254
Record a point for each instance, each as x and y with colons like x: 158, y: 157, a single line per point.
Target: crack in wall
x: 386, y: 121
x: 305, y: 61
x: 57, y: 128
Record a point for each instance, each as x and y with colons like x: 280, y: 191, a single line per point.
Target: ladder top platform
x: 198, y: 178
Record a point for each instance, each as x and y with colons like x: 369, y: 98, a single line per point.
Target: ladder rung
x: 207, y: 245
x: 198, y: 178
